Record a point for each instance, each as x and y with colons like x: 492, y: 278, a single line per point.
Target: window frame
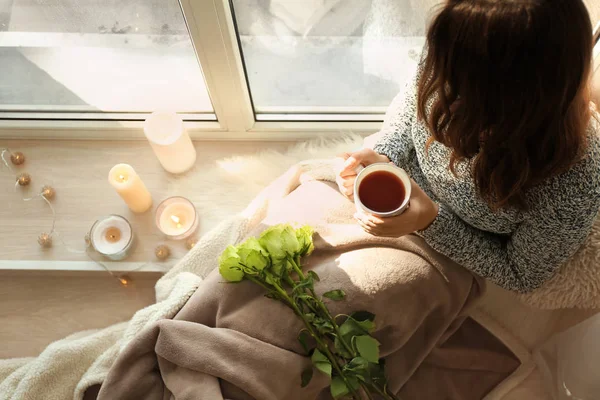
x: 213, y: 35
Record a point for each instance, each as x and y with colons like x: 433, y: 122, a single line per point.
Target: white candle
x: 112, y: 237
x: 130, y: 187
x: 170, y: 141
x: 176, y: 217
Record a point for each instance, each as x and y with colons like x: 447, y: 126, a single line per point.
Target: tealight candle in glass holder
x: 176, y: 217
x: 112, y: 237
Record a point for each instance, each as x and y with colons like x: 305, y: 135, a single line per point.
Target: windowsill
x: 78, y: 172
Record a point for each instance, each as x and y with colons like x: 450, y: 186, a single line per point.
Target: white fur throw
x: 577, y: 283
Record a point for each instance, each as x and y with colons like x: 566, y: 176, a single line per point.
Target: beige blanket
x: 229, y: 341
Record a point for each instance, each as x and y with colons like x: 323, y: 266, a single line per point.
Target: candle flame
x: 177, y: 221
x: 123, y: 178
x: 124, y: 281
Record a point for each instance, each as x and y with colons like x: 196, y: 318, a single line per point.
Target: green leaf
x: 304, y: 284
x: 324, y: 367
x: 335, y: 295
x: 303, y: 337
x: 323, y: 325
x: 306, y: 376
x: 377, y: 373
x: 365, y: 320
x: 338, y: 388
x: 314, y: 276
x: 318, y: 356
x: 310, y: 317
x: 306, y: 297
x: 358, y: 365
x: 368, y: 348
x: 368, y: 326
x: 340, y: 349
x: 354, y: 383
x: 321, y: 362
x: 351, y: 328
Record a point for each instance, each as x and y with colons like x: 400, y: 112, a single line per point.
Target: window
x: 90, y: 56
x: 594, y: 9
x: 240, y: 69
x: 329, y: 58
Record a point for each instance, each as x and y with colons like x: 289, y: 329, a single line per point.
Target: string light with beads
x: 124, y: 280
x: 17, y: 158
x: 190, y: 243
x: 23, y: 179
x: 162, y: 252
x: 48, y: 192
x: 45, y: 239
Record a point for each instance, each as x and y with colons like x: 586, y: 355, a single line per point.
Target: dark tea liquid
x: 381, y: 191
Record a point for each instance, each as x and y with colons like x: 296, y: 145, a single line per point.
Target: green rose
x: 280, y: 242
x: 229, y: 265
x: 305, y: 238
x: 291, y: 244
x: 253, y: 256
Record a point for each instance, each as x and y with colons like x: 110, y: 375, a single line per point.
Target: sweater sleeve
x: 549, y: 235
x: 395, y: 139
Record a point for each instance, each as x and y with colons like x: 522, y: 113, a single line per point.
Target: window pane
x: 346, y: 56
x: 98, y: 55
x: 594, y: 8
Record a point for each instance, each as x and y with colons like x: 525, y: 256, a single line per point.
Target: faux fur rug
x: 234, y: 182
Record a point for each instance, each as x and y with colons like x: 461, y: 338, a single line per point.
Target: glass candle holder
x: 112, y: 237
x: 177, y: 218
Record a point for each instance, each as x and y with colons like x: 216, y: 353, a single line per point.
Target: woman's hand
x: 420, y: 214
x: 347, y: 176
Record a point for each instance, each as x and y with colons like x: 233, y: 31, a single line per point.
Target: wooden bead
x: 24, y: 179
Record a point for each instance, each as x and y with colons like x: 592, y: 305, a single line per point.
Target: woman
x: 496, y: 132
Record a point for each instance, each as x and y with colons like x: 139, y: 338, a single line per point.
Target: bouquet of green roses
x: 342, y: 346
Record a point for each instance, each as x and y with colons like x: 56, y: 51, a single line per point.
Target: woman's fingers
x: 362, y: 157
x: 366, y: 220
x: 366, y: 227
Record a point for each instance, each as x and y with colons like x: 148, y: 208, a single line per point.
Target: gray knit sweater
x: 518, y: 250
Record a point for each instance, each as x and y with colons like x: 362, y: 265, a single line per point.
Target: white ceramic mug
x: 387, y: 167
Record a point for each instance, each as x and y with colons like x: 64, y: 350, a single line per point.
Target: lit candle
x: 130, y: 187
x: 112, y: 237
x: 176, y: 217
x: 170, y: 141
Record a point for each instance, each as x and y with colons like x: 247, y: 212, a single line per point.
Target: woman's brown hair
x: 506, y: 88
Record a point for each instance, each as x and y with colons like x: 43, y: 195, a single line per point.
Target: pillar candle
x: 130, y: 187
x: 170, y: 141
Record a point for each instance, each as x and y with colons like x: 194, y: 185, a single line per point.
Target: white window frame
x: 213, y: 35
x: 212, y: 32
